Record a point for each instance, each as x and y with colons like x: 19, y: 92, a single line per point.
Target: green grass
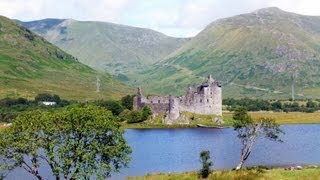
x: 307, y: 173
x: 284, y: 118
x: 280, y: 117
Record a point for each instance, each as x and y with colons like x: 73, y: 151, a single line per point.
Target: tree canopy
x: 75, y: 142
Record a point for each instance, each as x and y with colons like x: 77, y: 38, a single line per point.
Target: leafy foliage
x: 127, y: 101
x: 135, y: 116
x: 76, y: 142
x: 47, y: 97
x: 206, y: 164
x: 114, y: 106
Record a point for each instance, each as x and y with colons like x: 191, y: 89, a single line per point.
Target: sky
x: 178, y: 18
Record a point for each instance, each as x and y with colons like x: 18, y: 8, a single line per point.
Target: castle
x: 206, y: 98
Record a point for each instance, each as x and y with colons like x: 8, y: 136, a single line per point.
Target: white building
x: 49, y: 103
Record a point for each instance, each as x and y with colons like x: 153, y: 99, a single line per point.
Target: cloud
x: 173, y: 17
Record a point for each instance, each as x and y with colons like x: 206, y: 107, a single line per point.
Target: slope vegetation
x: 262, y: 54
x: 118, y: 49
x: 30, y: 65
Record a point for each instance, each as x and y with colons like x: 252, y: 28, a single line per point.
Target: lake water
x: 177, y: 150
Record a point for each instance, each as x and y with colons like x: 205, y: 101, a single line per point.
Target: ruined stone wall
x: 159, y: 105
x: 204, y: 99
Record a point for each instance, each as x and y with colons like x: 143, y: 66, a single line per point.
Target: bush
x: 124, y: 115
x: 135, y: 116
x: 114, y: 106
x: 47, y: 97
x: 146, y: 112
x: 127, y: 101
x: 206, y: 164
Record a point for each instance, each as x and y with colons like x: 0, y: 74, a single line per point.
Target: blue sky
x: 180, y: 18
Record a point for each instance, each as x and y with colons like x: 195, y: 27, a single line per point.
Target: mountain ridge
x: 30, y: 65
x: 115, y: 48
x: 268, y: 49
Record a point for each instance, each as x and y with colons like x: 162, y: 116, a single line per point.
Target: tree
x: 75, y: 142
x: 249, y: 130
x: 134, y: 116
x: 114, y: 106
x: 206, y: 164
x: 127, y: 101
x: 47, y: 97
x: 146, y: 112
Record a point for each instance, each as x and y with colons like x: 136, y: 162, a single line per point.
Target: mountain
x: 118, y: 49
x: 30, y: 65
x: 263, y: 54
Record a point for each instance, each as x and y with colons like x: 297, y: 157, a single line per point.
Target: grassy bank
x: 307, y: 173
x: 280, y: 117
x: 284, y: 118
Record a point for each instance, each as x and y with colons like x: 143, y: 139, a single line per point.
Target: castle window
x: 151, y: 101
x: 207, y: 100
x: 210, y: 92
x: 158, y: 101
x: 200, y: 100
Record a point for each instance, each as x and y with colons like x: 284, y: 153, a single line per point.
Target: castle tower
x: 137, y: 100
x: 173, y: 112
x: 217, y: 98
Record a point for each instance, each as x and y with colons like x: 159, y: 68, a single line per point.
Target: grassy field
x: 284, y: 118
x: 280, y: 117
x: 308, y: 173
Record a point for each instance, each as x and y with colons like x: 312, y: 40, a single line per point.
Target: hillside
x: 258, y: 54
x: 118, y: 49
x: 30, y: 65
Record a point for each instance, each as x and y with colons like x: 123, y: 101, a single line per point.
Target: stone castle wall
x: 204, y: 99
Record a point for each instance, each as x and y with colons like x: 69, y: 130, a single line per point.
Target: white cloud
x: 172, y: 17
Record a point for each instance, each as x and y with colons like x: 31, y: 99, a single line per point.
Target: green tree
x: 146, y: 112
x: 114, y: 106
x: 206, y: 164
x: 134, y: 116
x: 127, y: 101
x: 47, y: 97
x: 76, y: 142
x: 249, y: 130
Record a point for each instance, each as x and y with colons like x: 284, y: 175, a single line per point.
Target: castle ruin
x: 205, y: 98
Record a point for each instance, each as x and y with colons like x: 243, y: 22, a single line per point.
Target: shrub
x: 124, y: 115
x: 114, y: 106
x: 146, y: 112
x: 134, y: 116
x: 127, y: 101
x: 206, y: 164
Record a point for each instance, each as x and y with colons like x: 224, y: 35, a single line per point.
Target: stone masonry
x: 205, y: 98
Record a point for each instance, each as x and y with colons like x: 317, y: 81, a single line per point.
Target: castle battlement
x: 205, y: 98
